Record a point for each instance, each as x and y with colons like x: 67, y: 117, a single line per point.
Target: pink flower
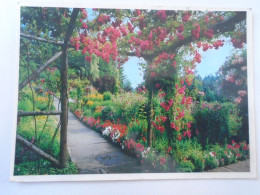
x: 201, y: 93
x: 242, y: 93
x: 238, y: 100
x: 243, y: 68
x: 182, y: 90
x: 188, y: 125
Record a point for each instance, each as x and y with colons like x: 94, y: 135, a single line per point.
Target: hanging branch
x: 64, y: 89
x: 39, y: 70
x: 55, y: 133
x: 37, y: 150
x: 38, y: 113
x: 58, y: 43
x: 50, y: 101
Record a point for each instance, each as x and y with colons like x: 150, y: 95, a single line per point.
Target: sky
x: 211, y: 61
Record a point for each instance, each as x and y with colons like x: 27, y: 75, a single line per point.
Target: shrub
x: 136, y: 129
x: 197, y: 158
x: 185, y: 166
x: 87, y: 112
x: 41, y: 103
x: 126, y: 106
x: 25, y: 105
x: 107, y: 96
x: 216, y: 123
x: 161, y: 144
x: 211, y: 162
x: 33, y: 168
x: 107, y: 114
x: 97, y: 115
x: 189, y: 152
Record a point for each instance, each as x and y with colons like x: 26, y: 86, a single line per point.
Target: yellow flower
x: 100, y: 96
x: 90, y: 103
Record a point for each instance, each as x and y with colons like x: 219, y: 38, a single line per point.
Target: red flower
x: 84, y: 26
x: 188, y: 125
x: 163, y: 118
x: 88, y: 59
x: 157, y: 85
x: 181, y: 115
x: 237, y: 146
x: 161, y: 15
x: 186, y: 16
x: 167, y: 106
x: 208, y: 33
x: 180, y: 28
x: 180, y: 37
x: 174, y: 63
x: 179, y: 137
x: 182, y: 90
x: 130, y: 27
x: 196, y: 32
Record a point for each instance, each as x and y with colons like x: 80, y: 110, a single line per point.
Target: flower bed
x: 188, y: 155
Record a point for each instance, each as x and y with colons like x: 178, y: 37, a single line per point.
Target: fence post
x: 64, y: 90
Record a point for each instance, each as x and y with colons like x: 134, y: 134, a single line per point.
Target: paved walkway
x: 92, y: 153
x: 241, y: 166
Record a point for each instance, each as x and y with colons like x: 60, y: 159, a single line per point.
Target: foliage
x: 216, y: 123
x: 233, y: 75
x: 107, y: 95
x: 31, y: 168
x: 137, y: 129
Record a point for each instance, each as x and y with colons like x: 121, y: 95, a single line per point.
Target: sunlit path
x: 91, y: 153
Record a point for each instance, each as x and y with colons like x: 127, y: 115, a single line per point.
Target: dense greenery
x: 41, y: 131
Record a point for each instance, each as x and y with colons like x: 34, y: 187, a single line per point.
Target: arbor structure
x: 63, y: 92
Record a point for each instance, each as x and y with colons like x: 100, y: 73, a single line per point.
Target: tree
x: 234, y: 85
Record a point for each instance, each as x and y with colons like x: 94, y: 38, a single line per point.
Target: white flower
x: 107, y: 131
x: 115, y: 136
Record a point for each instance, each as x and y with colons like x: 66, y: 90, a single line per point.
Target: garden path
x: 92, y: 153
x: 241, y: 166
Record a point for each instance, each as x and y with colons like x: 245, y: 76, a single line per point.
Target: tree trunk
x: 37, y: 150
x: 64, y: 90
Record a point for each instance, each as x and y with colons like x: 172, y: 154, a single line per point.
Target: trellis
x: 63, y: 94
